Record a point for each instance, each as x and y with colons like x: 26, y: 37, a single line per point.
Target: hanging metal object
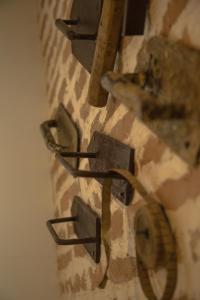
x: 164, y: 92
x: 82, y: 27
x: 87, y: 226
x: 66, y: 135
x: 104, y: 153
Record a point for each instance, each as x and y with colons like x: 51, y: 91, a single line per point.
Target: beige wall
x: 27, y: 257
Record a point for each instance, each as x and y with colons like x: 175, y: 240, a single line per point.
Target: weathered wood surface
x: 106, y: 49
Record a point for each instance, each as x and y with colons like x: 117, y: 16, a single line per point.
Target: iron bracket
x: 82, y: 28
x: 104, y: 153
x: 87, y: 226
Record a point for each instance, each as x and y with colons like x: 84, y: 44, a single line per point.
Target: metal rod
x: 79, y: 154
x: 70, y: 34
x: 77, y: 241
x: 84, y: 173
x: 61, y: 220
x: 71, y: 22
x: 60, y: 241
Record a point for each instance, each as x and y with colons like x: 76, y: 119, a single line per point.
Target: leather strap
x: 166, y: 237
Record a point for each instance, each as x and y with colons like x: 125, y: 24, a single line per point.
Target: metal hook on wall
x: 89, y: 236
x: 104, y: 153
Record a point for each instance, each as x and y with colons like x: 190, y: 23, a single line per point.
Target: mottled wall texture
x: 174, y: 183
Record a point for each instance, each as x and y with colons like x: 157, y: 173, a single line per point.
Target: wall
x: 27, y: 254
x: 163, y: 174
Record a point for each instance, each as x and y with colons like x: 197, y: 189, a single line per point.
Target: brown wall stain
x: 53, y: 88
x: 59, y: 49
x: 122, y: 269
x: 96, y: 124
x: 72, y: 68
x: 111, y: 107
x: 117, y: 224
x: 64, y: 260
x: 61, y: 179
x: 121, y: 130
x: 65, y: 202
x: 173, y: 193
x: 54, y: 43
x: 79, y: 251
x: 80, y: 83
x: 70, y: 107
x: 62, y: 233
x: 174, y: 9
x: 96, y: 276
x: 125, y: 43
x: 96, y: 200
x: 55, y: 166
x: 84, y: 111
x: 62, y: 90
x: 66, y: 52
x: 67, y: 198
x: 153, y: 150
x: 78, y: 284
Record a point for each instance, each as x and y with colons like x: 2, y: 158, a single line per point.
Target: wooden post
x: 106, y: 49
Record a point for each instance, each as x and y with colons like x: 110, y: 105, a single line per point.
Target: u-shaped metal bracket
x: 104, y: 153
x: 87, y: 226
x: 60, y: 241
x: 57, y: 148
x: 62, y: 153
